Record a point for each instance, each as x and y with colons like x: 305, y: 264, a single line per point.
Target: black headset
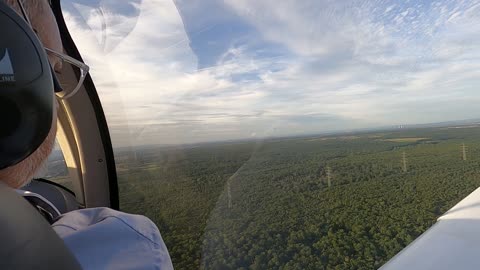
x: 26, y: 112
x: 26, y: 89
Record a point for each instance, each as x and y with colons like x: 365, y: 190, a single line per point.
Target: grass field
x: 407, y: 140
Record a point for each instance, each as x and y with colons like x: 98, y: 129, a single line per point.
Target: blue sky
x: 185, y: 71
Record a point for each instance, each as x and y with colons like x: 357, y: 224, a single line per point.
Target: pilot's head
x: 44, y: 24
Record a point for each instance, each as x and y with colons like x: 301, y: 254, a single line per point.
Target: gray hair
x: 31, y: 6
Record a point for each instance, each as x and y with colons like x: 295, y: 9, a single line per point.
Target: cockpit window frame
x: 89, y: 87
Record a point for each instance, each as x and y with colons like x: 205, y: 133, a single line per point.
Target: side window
x: 55, y: 169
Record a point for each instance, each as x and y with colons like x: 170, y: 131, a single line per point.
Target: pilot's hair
x: 31, y: 6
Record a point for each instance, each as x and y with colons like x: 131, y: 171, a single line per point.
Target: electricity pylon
x: 329, y: 176
x: 404, y: 161
x: 464, y: 151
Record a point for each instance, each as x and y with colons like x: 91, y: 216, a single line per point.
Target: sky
x: 188, y: 71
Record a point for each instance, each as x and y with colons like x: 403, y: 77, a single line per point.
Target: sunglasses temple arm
x: 56, y: 85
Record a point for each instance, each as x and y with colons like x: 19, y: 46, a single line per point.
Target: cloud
x: 277, y: 68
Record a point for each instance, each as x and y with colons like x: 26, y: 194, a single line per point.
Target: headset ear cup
x: 10, y: 124
x: 26, y: 89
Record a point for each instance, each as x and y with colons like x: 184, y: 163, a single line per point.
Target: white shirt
x: 102, y: 238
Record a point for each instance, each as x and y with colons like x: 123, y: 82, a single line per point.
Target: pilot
x: 100, y: 238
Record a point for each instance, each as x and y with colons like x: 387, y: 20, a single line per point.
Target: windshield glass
x: 298, y: 134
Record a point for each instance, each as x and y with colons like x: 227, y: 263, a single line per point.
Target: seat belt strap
x: 43, y: 206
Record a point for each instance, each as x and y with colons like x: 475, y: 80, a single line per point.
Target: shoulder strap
x: 42, y: 205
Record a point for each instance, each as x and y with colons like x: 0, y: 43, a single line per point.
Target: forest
x: 349, y: 201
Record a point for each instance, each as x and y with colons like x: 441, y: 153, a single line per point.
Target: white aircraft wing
x: 453, y: 242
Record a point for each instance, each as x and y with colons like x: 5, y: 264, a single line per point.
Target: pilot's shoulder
x: 105, y: 217
x: 95, y: 234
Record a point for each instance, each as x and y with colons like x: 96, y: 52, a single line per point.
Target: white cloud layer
x: 350, y: 64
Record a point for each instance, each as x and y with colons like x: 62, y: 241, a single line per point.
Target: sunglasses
x: 81, y: 69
